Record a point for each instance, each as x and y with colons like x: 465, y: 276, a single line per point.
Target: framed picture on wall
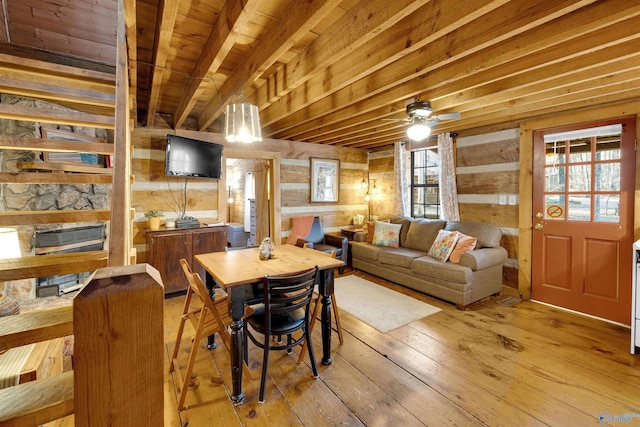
x: 325, y: 180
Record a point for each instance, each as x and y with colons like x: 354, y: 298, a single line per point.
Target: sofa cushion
x: 363, y: 250
x: 385, y: 234
x: 443, y: 245
x: 422, y: 233
x: 427, y: 266
x: 400, y: 257
x: 406, y: 222
x: 463, y: 245
x: 488, y: 235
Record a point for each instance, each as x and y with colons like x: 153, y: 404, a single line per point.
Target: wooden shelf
x: 66, y: 167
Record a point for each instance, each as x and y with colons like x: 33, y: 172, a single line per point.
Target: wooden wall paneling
x: 502, y: 215
x: 293, y: 175
x: 505, y: 182
x: 163, y: 199
x: 491, y: 152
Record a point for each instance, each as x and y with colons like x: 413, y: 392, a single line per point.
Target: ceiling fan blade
x: 447, y: 116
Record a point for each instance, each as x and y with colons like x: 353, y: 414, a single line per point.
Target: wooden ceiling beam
x: 357, y: 27
x: 235, y: 14
x: 429, y: 23
x: 514, y: 88
x: 466, y: 72
x: 477, y: 36
x: 284, y: 32
x: 167, y: 11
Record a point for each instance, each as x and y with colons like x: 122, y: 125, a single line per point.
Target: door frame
x: 525, y: 211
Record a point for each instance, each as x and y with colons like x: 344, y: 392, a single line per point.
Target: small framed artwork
x: 325, y: 180
x: 88, y: 159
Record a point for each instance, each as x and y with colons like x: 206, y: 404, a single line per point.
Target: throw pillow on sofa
x: 443, y: 245
x: 371, y: 225
x: 463, y: 245
x: 386, y: 234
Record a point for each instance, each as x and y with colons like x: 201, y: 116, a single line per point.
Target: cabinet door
x: 213, y: 239
x: 165, y: 253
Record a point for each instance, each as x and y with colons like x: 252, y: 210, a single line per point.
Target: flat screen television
x: 192, y: 158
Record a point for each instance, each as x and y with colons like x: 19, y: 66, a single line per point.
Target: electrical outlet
x: 502, y: 199
x: 513, y: 199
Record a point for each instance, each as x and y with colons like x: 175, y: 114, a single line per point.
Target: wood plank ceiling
x: 332, y: 71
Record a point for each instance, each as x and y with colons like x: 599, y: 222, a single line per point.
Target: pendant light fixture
x: 242, y: 123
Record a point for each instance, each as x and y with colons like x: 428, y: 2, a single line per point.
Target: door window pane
x: 554, y: 152
x: 554, y: 206
x: 580, y: 178
x: 554, y: 179
x: 580, y: 207
x: 608, y: 177
x: 580, y: 150
x: 608, y: 147
x: 607, y: 208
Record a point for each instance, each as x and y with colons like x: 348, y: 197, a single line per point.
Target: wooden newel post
x: 118, y: 351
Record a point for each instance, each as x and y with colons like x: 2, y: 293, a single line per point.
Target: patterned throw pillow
x: 463, y: 245
x: 386, y: 234
x: 443, y: 245
x: 371, y: 230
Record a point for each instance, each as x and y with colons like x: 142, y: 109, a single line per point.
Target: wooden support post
x: 118, y: 356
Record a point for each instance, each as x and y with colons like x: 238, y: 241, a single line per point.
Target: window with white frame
x: 425, y: 183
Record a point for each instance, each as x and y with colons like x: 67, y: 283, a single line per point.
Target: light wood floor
x: 523, y: 365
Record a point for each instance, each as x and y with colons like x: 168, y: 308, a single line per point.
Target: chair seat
x: 328, y: 249
x: 280, y: 322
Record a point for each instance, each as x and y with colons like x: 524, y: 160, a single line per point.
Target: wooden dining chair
x: 316, y: 308
x: 285, y: 310
x: 208, y: 317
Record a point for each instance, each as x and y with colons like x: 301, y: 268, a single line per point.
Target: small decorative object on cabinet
x: 154, y: 218
x: 166, y: 247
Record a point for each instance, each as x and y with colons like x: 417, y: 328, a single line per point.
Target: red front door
x: 583, y: 187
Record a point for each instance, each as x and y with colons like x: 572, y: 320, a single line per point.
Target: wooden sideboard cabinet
x: 165, y: 247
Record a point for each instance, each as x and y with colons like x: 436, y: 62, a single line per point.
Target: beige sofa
x: 476, y: 276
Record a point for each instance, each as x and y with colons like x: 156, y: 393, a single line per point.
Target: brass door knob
x: 538, y: 226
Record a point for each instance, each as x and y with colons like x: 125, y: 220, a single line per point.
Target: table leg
x: 236, y: 310
x: 326, y: 290
x: 237, y: 348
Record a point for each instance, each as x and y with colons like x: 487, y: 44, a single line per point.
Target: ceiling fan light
x: 242, y: 123
x: 418, y: 132
x: 420, y: 109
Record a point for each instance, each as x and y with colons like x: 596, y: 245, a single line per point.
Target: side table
x: 350, y: 232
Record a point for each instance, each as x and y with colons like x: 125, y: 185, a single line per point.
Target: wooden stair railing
x: 116, y: 320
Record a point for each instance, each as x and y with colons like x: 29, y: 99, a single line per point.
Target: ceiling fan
x: 421, y: 121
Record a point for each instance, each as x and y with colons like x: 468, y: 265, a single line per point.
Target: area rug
x: 377, y: 306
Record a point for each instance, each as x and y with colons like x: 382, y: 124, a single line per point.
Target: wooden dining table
x: 240, y: 273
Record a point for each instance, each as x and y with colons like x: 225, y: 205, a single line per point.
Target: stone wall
x: 35, y: 197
